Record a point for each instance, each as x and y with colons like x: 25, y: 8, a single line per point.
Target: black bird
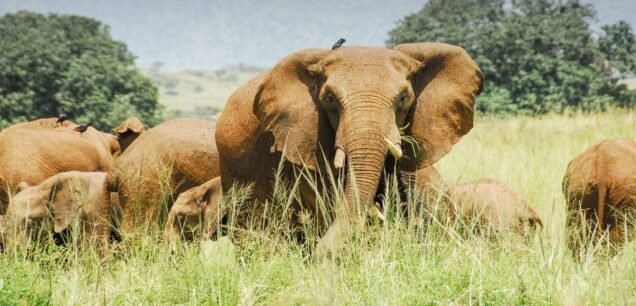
x: 338, y: 44
x: 61, y: 117
x: 83, y: 127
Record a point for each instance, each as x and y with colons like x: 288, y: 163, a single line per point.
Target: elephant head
x: 354, y: 104
x: 54, y: 204
x: 195, y: 209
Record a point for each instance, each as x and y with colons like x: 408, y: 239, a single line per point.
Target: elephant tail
x: 602, y: 201
x: 4, y: 195
x: 110, y: 200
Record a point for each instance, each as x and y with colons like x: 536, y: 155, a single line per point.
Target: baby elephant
x: 56, y: 204
x: 496, y: 204
x: 600, y: 188
x: 196, y: 210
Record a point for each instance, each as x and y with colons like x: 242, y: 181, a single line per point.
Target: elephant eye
x: 330, y: 101
x: 403, y: 101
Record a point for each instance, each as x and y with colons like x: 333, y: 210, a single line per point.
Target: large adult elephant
x: 34, y: 151
x: 163, y: 162
x: 348, y: 105
x: 600, y: 183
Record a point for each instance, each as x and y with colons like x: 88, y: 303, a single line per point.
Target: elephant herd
x: 351, y: 119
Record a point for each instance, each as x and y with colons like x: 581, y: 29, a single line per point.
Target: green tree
x: 618, y: 46
x: 537, y: 55
x: 50, y: 63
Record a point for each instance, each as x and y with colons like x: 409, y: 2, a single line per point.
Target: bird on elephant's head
x: 352, y: 105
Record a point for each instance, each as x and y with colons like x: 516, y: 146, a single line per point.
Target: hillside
x: 197, y: 93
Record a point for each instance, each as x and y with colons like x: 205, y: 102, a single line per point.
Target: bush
x: 55, y: 62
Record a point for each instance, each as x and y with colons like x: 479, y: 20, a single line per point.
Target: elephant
x: 34, y: 151
x: 163, y: 162
x: 343, y: 110
x: 496, y: 205
x: 492, y: 202
x: 599, y: 186
x: 195, y: 210
x: 53, y: 206
x: 46, y: 123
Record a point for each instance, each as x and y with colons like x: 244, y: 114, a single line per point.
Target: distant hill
x: 198, y: 93
x: 631, y: 83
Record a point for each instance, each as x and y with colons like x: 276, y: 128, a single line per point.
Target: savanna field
x: 385, y: 265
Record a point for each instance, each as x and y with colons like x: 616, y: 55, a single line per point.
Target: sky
x: 212, y: 34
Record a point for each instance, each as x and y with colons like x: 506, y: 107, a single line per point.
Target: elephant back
x: 160, y: 164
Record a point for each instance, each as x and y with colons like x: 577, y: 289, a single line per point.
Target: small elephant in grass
x: 55, y: 204
x: 492, y: 202
x: 600, y: 183
x: 495, y: 204
x: 196, y: 210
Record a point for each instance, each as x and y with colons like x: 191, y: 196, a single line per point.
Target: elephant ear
x: 130, y: 125
x: 286, y: 106
x: 22, y: 186
x: 61, y: 205
x: 446, y: 85
x: 128, y: 131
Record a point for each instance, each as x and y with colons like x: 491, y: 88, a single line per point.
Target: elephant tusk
x: 339, y: 160
x: 395, y: 149
x: 376, y: 212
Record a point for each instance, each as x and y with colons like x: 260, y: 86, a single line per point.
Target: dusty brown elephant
x: 493, y: 203
x: 47, y: 123
x: 600, y: 186
x: 350, y: 106
x: 163, y: 162
x: 195, y: 211
x: 50, y: 209
x: 34, y: 151
x: 496, y: 205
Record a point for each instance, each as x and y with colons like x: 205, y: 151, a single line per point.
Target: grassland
x: 385, y: 266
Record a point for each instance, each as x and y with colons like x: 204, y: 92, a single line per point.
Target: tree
x: 537, y: 55
x: 50, y: 63
x: 618, y: 47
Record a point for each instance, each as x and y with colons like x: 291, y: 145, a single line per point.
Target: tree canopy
x: 55, y: 62
x: 537, y: 55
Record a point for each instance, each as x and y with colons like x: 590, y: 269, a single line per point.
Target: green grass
x: 388, y: 265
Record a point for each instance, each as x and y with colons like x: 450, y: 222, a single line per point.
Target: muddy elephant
x: 600, y: 190
x: 34, y: 151
x: 162, y: 163
x: 59, y: 205
x: 496, y: 205
x: 196, y: 211
x: 352, y: 106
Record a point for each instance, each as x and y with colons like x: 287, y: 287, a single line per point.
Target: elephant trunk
x: 366, y: 145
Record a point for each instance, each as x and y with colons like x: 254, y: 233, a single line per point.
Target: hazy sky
x: 210, y: 34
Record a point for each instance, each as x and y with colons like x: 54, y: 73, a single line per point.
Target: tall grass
x: 388, y: 264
